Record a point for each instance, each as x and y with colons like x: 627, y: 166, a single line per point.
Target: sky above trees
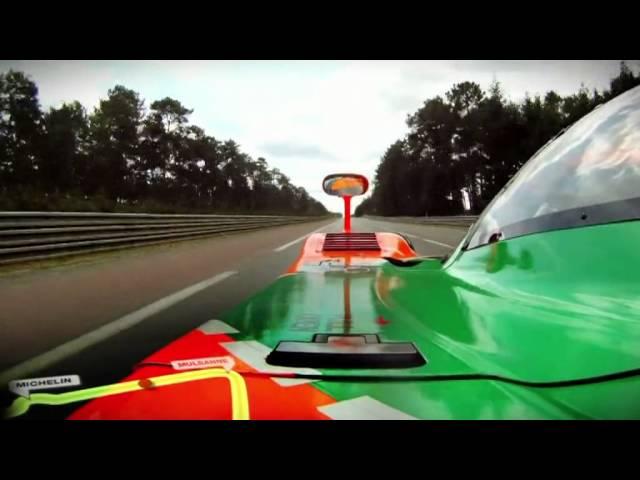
x: 307, y: 118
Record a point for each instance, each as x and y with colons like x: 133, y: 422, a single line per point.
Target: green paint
x: 549, y: 306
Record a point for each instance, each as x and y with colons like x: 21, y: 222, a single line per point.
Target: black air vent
x: 346, y: 351
x: 350, y: 241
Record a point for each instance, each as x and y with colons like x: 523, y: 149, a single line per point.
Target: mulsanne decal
x: 226, y: 362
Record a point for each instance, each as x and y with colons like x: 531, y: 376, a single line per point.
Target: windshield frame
x: 619, y: 210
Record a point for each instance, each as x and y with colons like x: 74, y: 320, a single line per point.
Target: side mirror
x: 345, y: 184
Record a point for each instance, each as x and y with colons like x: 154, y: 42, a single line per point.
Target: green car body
x: 554, y: 296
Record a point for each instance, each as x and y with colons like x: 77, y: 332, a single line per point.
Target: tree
x: 502, y: 136
x: 464, y: 96
x: 64, y: 156
x: 170, y: 113
x: 114, y: 144
x: 625, y: 80
x: 431, y: 148
x: 166, y: 145
x: 121, y: 157
x: 577, y: 105
x: 20, y: 131
x: 474, y: 141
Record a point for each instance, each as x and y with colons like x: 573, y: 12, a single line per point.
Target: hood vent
x: 350, y: 241
x: 346, y: 351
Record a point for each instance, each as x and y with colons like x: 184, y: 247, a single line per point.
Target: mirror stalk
x: 347, y: 214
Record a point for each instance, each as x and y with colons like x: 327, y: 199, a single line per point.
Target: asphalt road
x: 97, y: 316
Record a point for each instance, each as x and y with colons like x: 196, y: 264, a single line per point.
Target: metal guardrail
x: 461, y: 221
x: 26, y: 236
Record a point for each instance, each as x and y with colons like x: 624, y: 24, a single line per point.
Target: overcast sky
x: 308, y: 118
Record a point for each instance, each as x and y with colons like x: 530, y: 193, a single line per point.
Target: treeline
x: 125, y: 157
x: 472, y: 141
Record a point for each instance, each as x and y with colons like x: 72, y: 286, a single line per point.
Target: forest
x: 127, y: 156
x: 473, y: 141
x: 124, y: 156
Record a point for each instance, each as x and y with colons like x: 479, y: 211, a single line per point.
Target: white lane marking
x: 363, y: 408
x: 287, y: 245
x: 429, y: 241
x: 102, y: 333
x: 254, y: 353
x: 410, y: 235
x: 214, y: 327
x: 437, y: 243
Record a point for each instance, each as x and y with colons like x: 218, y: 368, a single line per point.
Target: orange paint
x: 391, y: 245
x: 346, y: 183
x: 208, y: 399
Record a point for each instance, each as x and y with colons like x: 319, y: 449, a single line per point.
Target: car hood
x: 540, y: 308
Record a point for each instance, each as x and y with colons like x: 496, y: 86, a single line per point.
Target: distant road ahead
x: 97, y: 316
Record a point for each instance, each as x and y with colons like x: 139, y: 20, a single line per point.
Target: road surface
x: 96, y: 316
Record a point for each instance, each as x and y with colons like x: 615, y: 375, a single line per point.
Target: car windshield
x: 595, y: 162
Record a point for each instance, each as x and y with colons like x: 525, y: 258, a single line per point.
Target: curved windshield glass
x: 588, y: 175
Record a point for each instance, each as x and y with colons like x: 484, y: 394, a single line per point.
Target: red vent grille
x: 350, y: 241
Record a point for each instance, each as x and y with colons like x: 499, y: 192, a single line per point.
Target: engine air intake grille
x: 350, y: 241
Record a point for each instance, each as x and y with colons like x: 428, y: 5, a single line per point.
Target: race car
x: 534, y: 315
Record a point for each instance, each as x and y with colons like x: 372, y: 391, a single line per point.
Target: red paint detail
x: 347, y: 214
x: 382, y: 321
x: 208, y: 399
